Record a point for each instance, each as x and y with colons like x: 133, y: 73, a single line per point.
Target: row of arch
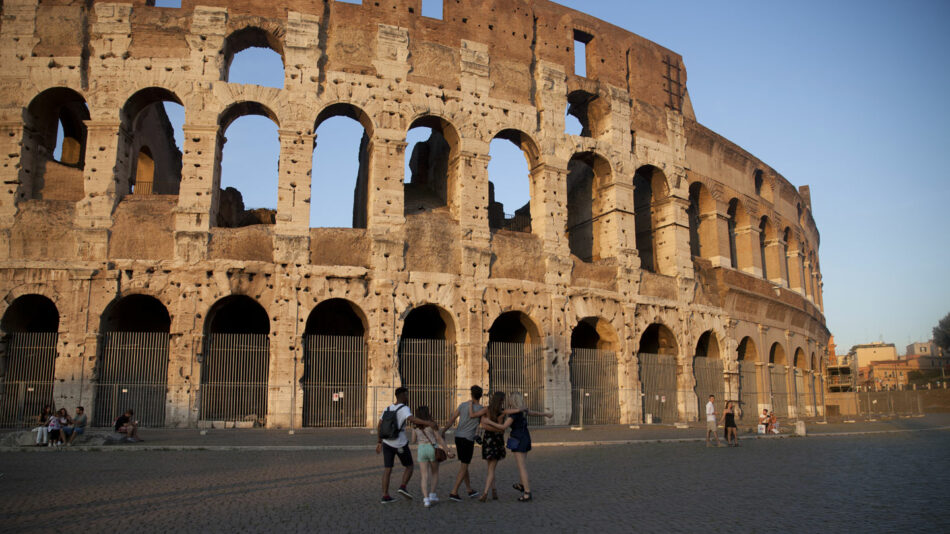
x: 133, y: 360
x: 781, y: 256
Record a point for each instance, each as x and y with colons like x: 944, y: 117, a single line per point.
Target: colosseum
x: 655, y: 263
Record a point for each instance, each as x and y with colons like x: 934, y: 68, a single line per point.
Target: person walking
x: 729, y: 425
x: 392, y: 441
x: 493, y: 443
x: 519, y: 441
x: 465, y: 441
x: 711, y: 421
x: 428, y: 453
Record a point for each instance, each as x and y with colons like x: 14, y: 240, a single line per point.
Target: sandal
x: 525, y: 498
x: 494, y: 494
x: 483, y: 498
x: 518, y: 486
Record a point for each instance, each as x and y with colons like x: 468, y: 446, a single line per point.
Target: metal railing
x: 518, y: 367
x: 334, y: 381
x: 748, y: 392
x: 595, y: 394
x: 133, y: 374
x: 889, y: 403
x: 779, y: 380
x: 27, y: 383
x: 142, y: 188
x: 709, y: 381
x: 658, y: 379
x: 427, y: 367
x: 234, y: 378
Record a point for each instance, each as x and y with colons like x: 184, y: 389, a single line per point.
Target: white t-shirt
x: 401, y: 416
x: 710, y: 412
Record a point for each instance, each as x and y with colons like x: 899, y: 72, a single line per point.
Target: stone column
x: 469, y: 205
x: 292, y: 231
x: 12, y: 139
x: 796, y: 271
x: 281, y: 377
x: 775, y: 264
x: 198, y: 192
x: 747, y: 249
x: 94, y: 212
x: 671, y: 237
x: 384, y: 210
x: 714, y: 231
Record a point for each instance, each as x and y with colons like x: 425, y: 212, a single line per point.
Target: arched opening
x: 649, y: 188
x: 247, y: 166
x: 236, y: 362
x: 516, y: 359
x: 779, y: 380
x: 595, y: 392
x: 54, y: 147
x: 431, y: 167
x: 784, y: 252
x: 340, y: 163
x: 587, y: 172
x: 765, y: 236
x: 154, y: 119
x: 427, y: 359
x: 799, y: 393
x: 132, y: 369
x: 585, y: 115
x: 253, y: 56
x: 757, y: 181
x: 29, y: 336
x: 702, y: 222
x: 813, y: 384
x: 708, y: 371
x: 732, y: 216
x: 747, y: 356
x: 334, y: 378
x: 657, y: 354
x: 509, y: 181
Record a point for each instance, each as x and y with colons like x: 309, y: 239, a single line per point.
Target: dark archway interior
x: 777, y: 354
x: 707, y: 346
x: 512, y: 327
x: 31, y: 313
x: 585, y: 336
x: 425, y: 322
x: 335, y: 317
x: 657, y: 339
x: 746, y: 350
x: 136, y: 313
x: 238, y: 314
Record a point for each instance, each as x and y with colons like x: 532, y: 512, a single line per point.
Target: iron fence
x: 884, y: 403
x: 234, y: 378
x: 427, y: 367
x: 748, y: 392
x: 518, y: 367
x: 595, y: 393
x: 133, y: 374
x: 801, y: 394
x: 658, y: 382
x: 709, y: 381
x: 779, y: 381
x: 334, y: 381
x: 27, y: 383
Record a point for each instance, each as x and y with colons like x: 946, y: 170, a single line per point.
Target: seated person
x: 55, y: 426
x: 764, y: 420
x: 126, y: 425
x: 78, y: 427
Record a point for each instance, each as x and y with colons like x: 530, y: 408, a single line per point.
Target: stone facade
x: 648, y: 218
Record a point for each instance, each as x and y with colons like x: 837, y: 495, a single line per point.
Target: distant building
x: 842, y: 371
x: 871, y: 352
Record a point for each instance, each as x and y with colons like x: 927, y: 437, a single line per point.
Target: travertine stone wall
x: 488, y: 68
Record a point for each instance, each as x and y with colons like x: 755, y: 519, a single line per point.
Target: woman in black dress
x: 520, y: 439
x: 493, y: 443
x: 729, y: 428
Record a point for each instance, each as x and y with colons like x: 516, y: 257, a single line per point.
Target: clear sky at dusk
x: 848, y: 97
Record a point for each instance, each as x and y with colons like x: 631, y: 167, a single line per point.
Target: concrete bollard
x: 799, y: 428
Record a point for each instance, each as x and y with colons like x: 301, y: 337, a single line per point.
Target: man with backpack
x: 392, y: 441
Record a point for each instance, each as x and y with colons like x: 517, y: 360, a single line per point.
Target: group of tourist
x: 476, y: 424
x: 768, y: 423
x: 56, y: 429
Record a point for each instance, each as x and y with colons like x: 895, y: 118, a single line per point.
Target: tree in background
x: 942, y: 334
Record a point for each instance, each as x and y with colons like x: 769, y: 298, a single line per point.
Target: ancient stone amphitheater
x: 655, y: 263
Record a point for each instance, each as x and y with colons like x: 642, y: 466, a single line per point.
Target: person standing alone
x: 465, y: 441
x: 711, y: 421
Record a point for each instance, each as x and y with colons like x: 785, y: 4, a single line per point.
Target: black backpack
x: 389, y: 427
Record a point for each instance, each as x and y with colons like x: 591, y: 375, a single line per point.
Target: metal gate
x: 133, y: 374
x: 27, y: 383
x: 801, y: 394
x: 595, y: 394
x: 334, y: 382
x: 814, y: 394
x: 779, y: 380
x: 234, y: 378
x: 709, y: 381
x: 427, y: 368
x: 658, y: 380
x: 518, y: 367
x: 748, y: 392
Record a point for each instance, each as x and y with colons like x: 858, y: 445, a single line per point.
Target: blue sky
x: 847, y: 97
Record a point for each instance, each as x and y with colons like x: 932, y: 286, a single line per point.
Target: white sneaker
x: 433, y: 498
x: 425, y: 502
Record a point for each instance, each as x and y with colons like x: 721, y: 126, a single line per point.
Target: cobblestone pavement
x: 877, y: 483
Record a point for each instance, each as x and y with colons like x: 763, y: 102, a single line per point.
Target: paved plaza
x: 880, y: 482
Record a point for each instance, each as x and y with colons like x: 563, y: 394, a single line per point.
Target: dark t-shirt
x: 121, y: 421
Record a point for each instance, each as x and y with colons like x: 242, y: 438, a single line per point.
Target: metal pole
x: 582, y: 408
